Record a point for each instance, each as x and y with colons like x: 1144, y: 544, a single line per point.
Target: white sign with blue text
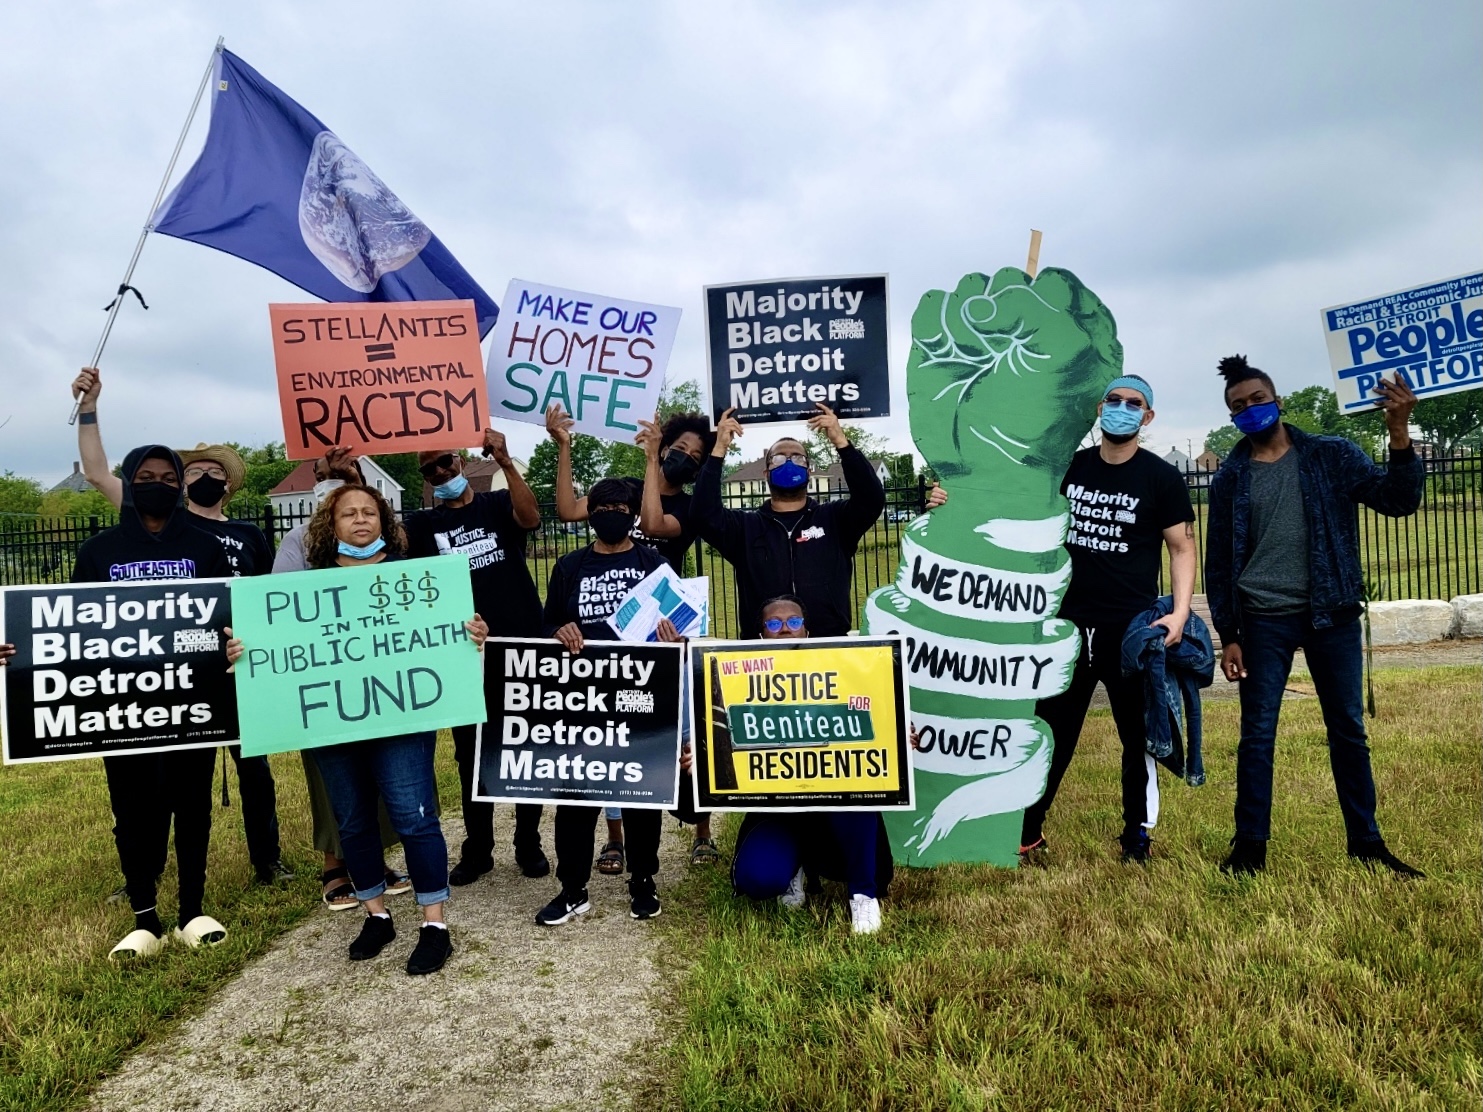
x: 1431, y: 335
x: 600, y: 359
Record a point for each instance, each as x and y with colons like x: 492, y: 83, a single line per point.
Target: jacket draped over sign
x: 1171, y: 675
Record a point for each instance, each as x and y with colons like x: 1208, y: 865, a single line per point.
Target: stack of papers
x: 663, y: 594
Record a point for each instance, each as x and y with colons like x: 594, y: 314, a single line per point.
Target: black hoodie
x: 130, y: 553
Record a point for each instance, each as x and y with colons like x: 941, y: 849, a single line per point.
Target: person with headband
x: 1282, y: 572
x: 1127, y: 506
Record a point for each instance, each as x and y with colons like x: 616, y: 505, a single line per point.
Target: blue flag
x: 276, y: 187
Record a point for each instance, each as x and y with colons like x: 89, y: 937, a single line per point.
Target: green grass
x: 67, y: 1014
x: 1093, y: 985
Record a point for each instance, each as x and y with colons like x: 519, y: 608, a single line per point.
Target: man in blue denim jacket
x: 1282, y: 573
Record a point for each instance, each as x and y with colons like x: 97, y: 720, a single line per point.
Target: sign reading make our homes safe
x: 599, y: 358
x: 780, y: 346
x: 1431, y: 335
x: 346, y: 654
x: 806, y: 725
x: 112, y: 668
x: 379, y: 377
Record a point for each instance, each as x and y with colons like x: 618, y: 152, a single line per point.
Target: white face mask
x: 322, y: 489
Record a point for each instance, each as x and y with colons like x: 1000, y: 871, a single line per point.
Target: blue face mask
x: 788, y: 476
x: 452, y: 489
x: 1257, y: 418
x: 362, y: 553
x: 1120, y: 419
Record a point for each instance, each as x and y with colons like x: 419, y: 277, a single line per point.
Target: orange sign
x: 379, y: 376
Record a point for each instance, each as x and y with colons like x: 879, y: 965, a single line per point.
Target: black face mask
x: 206, y: 491
x: 678, y: 467
x: 611, y: 526
x: 156, y: 499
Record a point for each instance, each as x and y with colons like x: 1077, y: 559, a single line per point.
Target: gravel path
x: 522, y: 1017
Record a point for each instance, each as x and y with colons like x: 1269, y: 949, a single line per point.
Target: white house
x: 293, y: 498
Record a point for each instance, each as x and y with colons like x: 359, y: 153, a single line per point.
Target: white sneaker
x: 865, y: 914
x: 795, y: 897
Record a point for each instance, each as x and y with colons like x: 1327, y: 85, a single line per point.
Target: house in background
x: 750, y: 481
x: 75, y: 482
x: 293, y: 498
x: 1179, y: 460
x: 482, y: 474
x: 1207, y: 461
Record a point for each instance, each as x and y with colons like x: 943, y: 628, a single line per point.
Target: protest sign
x: 346, y: 654
x: 800, y: 725
x: 1432, y: 335
x: 601, y: 359
x: 662, y: 594
x: 111, y: 668
x: 379, y: 377
x: 777, y: 347
x: 599, y: 727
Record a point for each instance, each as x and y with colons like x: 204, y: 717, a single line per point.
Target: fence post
x: 268, y: 524
x: 921, y: 494
x: 93, y: 528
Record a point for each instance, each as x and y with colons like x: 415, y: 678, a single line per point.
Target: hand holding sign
x: 1397, y: 399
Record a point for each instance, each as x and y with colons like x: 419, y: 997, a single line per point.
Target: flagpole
x: 124, y: 287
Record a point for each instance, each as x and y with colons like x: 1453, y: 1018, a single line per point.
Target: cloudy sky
x: 1217, y: 172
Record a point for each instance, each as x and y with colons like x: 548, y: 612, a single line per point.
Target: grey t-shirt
x: 291, y: 555
x: 1275, y: 579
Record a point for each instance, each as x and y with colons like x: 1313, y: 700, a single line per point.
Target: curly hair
x: 322, y: 546
x: 681, y: 423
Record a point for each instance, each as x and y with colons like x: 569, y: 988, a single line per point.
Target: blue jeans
x: 1268, y: 642
x: 773, y: 849
x: 400, y: 771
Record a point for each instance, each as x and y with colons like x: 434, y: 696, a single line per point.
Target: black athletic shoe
x: 1247, y: 858
x: 375, y: 934
x: 532, y: 863
x: 1377, y: 853
x: 1137, y: 848
x: 433, y: 948
x: 643, y: 901
x: 566, y: 906
x: 466, y: 872
x: 276, y: 873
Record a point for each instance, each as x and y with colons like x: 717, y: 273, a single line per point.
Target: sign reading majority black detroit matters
x: 599, y: 727
x: 778, y: 347
x: 113, y: 668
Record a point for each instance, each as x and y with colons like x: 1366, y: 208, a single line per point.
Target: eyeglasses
x: 777, y: 459
x: 775, y: 625
x: 433, y: 466
x: 192, y: 473
x: 1131, y: 403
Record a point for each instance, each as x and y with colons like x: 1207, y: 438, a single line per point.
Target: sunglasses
x: 775, y: 625
x: 1131, y: 403
x: 433, y: 466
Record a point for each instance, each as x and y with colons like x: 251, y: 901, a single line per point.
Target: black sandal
x: 342, y: 896
x: 610, y: 860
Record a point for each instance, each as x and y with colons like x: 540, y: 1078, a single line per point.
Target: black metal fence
x: 1435, y: 553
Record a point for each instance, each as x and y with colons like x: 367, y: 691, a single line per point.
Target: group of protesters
x: 1281, y: 569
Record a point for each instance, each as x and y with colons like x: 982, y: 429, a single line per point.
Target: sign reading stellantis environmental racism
x: 379, y: 377
x: 600, y: 359
x: 780, y: 346
x: 800, y: 725
x: 115, y: 668
x: 1431, y: 335
x: 599, y: 727
x: 346, y: 654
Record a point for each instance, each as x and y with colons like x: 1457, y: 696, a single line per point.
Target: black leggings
x: 575, y: 826
x: 146, y: 791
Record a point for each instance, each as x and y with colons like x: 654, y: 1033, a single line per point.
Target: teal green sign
x: 346, y: 654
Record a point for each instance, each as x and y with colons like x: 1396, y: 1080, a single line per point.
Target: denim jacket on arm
x: 1171, y: 676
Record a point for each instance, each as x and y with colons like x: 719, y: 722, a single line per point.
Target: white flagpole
x: 123, y: 287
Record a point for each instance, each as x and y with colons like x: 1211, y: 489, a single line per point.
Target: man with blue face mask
x: 1127, y: 505
x: 1282, y: 571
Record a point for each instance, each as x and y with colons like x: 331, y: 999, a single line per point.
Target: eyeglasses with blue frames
x: 775, y: 625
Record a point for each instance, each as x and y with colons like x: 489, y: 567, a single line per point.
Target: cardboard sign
x: 599, y: 727
x: 779, y: 346
x: 346, y: 654
x: 379, y: 377
x: 110, y: 668
x: 1432, y: 335
x: 601, y: 359
x: 800, y: 725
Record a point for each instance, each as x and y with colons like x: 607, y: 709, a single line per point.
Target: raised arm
x: 652, y: 518
x: 718, y: 527
x: 1395, y: 489
x: 568, y: 506
x: 86, y: 387
x: 522, y: 499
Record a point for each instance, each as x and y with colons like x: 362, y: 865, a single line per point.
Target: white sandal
x: 137, y: 944
x: 201, y: 929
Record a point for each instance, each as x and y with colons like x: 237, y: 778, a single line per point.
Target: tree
x: 403, y: 468
x: 821, y: 453
x: 1449, y: 421
x: 19, y: 495
x: 589, y: 458
x: 74, y: 503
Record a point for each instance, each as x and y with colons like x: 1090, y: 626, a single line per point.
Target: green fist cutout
x: 1003, y: 383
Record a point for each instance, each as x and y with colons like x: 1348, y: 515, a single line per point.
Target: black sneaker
x: 276, y: 873
x: 643, y: 901
x: 1247, y: 858
x: 1037, y: 853
x: 466, y: 872
x: 566, y: 905
x: 1137, y: 848
x: 532, y: 863
x: 1375, y: 853
x: 433, y: 948
x: 375, y: 934
x: 118, y: 895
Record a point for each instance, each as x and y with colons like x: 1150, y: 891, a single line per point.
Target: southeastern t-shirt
x: 587, y: 586
x: 486, y: 532
x: 1118, y: 516
x: 243, y: 544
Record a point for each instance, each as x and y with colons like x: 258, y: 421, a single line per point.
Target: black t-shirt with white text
x: 1118, y: 516
x: 486, y: 532
x: 242, y: 542
x: 587, y: 586
x: 676, y: 506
